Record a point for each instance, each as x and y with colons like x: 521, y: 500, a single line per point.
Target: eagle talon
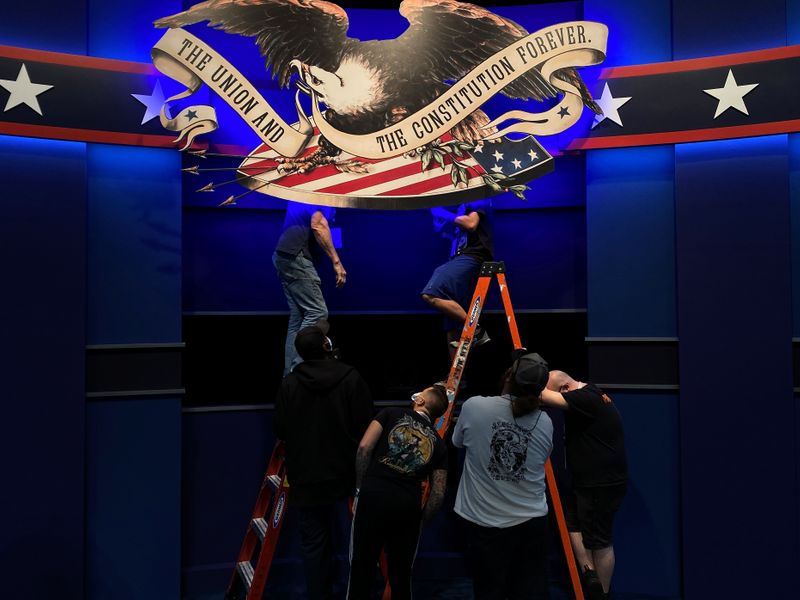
x: 289, y: 166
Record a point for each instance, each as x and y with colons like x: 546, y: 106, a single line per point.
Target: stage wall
x: 678, y: 264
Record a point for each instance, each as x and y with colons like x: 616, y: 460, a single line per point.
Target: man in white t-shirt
x: 501, y: 495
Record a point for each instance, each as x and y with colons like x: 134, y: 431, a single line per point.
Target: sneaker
x: 479, y: 339
x: 592, y: 585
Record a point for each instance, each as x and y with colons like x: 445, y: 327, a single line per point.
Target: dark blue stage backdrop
x: 685, y: 257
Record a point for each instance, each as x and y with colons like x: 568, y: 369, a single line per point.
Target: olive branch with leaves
x: 435, y: 152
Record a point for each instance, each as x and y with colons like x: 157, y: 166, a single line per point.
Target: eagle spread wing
x: 312, y: 31
x: 450, y: 38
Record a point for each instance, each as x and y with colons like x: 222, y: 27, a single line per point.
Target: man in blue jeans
x: 299, y: 278
x: 452, y: 284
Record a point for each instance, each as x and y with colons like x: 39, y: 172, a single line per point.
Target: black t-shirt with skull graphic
x: 408, y: 450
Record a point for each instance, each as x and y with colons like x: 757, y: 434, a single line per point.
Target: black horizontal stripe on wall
x: 134, y: 370
x: 634, y: 362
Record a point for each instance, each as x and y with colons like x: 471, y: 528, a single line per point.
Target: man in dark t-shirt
x: 452, y: 284
x: 399, y: 451
x: 595, y: 449
x: 299, y: 279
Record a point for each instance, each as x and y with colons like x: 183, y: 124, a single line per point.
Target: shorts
x: 590, y: 510
x: 455, y: 280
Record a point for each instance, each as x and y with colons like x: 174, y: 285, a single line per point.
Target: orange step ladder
x: 258, y: 548
x: 249, y: 577
x: 488, y: 271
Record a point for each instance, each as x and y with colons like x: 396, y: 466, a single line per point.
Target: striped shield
x: 404, y: 182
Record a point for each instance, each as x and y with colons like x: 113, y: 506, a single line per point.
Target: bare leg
x: 604, y: 561
x: 582, y: 556
x: 450, y: 308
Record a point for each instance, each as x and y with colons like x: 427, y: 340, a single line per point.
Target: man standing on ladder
x: 451, y: 285
x: 322, y: 410
x: 501, y: 495
x: 596, y: 461
x: 299, y: 278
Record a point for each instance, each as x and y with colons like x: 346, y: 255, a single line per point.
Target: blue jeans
x: 301, y: 285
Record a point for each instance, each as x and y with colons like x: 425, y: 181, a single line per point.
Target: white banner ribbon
x: 189, y: 61
x: 185, y: 58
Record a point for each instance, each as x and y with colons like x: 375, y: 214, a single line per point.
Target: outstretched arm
x: 322, y: 233
x: 365, y: 448
x: 555, y: 399
x: 438, y: 486
x: 468, y: 222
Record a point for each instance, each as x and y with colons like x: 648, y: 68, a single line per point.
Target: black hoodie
x: 322, y: 410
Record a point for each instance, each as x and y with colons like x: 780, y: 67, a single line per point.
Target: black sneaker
x: 592, y: 585
x: 479, y: 339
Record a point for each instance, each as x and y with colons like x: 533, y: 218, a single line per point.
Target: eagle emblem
x: 371, y: 90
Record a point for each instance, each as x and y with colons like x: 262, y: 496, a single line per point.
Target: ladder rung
x: 246, y: 573
x: 274, y: 481
x: 260, y: 527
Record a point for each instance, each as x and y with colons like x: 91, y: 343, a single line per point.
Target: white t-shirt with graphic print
x: 503, y: 481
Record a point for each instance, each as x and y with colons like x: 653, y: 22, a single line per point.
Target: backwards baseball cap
x: 529, y: 373
x: 312, y: 343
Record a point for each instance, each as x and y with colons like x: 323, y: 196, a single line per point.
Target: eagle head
x: 355, y: 88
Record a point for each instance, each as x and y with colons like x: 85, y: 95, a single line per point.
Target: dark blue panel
x: 792, y: 22
x: 125, y: 30
x: 225, y: 457
x: 718, y: 27
x: 650, y: 516
x: 42, y: 259
x: 227, y: 260
x: 734, y: 315
x: 45, y: 25
x: 631, y: 242
x: 797, y: 465
x: 794, y: 196
x: 545, y: 254
x: 389, y: 257
x: 134, y: 245
x: 638, y: 32
x: 133, y: 499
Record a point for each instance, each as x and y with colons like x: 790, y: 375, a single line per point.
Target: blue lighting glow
x: 33, y: 25
x: 16, y: 145
x: 124, y: 30
x: 638, y: 32
x: 755, y: 146
x: 703, y: 29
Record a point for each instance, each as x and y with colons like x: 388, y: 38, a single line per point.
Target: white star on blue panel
x: 610, y: 107
x: 153, y: 102
x: 23, y: 91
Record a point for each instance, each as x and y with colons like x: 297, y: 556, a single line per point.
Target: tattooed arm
x: 438, y: 485
x: 365, y: 448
